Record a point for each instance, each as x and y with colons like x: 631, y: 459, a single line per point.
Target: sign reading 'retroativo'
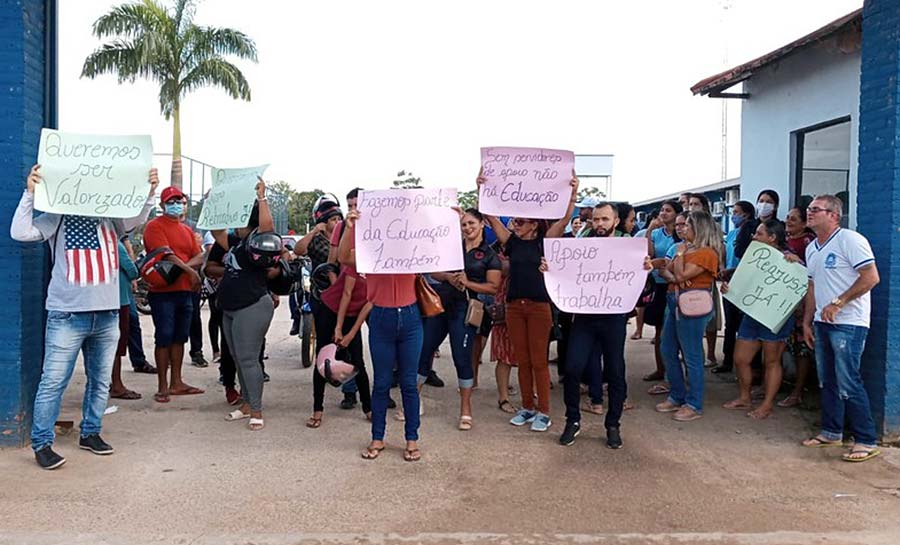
x: 230, y: 201
x: 526, y: 182
x: 93, y: 175
x: 408, y: 231
x: 595, y: 275
x: 766, y: 286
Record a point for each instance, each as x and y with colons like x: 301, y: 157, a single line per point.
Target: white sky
x: 346, y: 93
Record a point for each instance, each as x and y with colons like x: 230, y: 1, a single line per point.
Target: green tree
x: 299, y: 205
x: 406, y: 180
x: 164, y: 45
x: 468, y: 199
x: 584, y: 191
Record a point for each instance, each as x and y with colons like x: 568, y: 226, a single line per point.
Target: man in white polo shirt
x: 842, y: 272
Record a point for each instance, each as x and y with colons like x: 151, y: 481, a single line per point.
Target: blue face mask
x: 174, y: 209
x: 737, y: 221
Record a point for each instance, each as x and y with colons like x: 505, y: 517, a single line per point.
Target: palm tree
x: 151, y: 41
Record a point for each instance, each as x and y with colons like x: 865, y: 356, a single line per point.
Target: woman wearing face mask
x: 480, y: 277
x: 528, y: 314
x: 767, y: 205
x: 752, y: 336
x: 799, y: 236
x: 742, y: 213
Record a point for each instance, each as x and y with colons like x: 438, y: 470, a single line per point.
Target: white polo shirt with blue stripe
x: 834, y: 267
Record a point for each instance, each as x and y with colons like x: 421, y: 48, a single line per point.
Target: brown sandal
x: 412, y: 455
x: 314, y: 422
x: 506, y: 406
x: 372, y: 452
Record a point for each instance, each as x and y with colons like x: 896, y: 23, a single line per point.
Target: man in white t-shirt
x: 841, y: 268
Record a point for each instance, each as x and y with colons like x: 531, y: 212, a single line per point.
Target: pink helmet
x: 332, y: 369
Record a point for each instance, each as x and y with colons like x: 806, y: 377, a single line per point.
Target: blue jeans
x: 686, y: 333
x: 838, y: 352
x: 135, y: 338
x: 395, y: 336
x: 453, y: 322
x: 96, y: 335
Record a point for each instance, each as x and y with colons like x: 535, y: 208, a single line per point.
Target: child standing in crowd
x: 528, y: 312
x: 501, y: 346
x: 82, y: 314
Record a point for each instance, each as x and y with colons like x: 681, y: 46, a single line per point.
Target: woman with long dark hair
x: 753, y: 336
x: 528, y: 314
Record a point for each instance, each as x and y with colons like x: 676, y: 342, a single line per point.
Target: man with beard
x: 595, y: 334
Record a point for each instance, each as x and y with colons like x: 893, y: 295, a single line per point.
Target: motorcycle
x: 301, y: 310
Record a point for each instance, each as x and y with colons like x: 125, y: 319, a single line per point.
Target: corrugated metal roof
x: 718, y: 186
x: 733, y: 76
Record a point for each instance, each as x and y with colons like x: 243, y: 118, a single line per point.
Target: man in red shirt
x: 172, y: 306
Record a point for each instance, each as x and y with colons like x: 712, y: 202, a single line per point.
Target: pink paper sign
x: 408, y: 231
x: 595, y: 275
x: 526, y: 182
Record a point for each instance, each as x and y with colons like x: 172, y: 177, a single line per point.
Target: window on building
x: 823, y: 162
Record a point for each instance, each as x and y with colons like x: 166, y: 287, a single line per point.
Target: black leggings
x: 215, y: 322
x: 325, y: 321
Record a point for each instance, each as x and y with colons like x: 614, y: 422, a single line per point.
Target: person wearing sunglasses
x: 528, y: 314
x: 842, y: 272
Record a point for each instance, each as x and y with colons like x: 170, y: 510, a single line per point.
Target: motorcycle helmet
x: 321, y: 278
x: 326, y: 207
x: 282, y: 284
x: 156, y: 271
x: 333, y: 369
x: 264, y: 249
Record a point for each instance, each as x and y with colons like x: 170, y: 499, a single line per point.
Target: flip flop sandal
x: 371, y: 453
x: 399, y: 416
x: 732, y: 406
x: 146, y: 369
x: 465, y: 423
x: 507, y: 407
x: 658, y: 390
x: 591, y: 408
x: 256, y: 424
x: 790, y: 401
x: 127, y: 394
x: 636, y: 337
x: 412, y: 455
x: 161, y: 398
x: 189, y: 392
x: 236, y: 415
x: 818, y: 442
x: 314, y: 422
x: 868, y: 455
x: 652, y: 377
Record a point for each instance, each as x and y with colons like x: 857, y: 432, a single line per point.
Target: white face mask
x: 764, y: 209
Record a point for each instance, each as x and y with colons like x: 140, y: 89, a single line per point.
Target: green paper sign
x: 231, y: 198
x: 93, y: 175
x: 766, y: 286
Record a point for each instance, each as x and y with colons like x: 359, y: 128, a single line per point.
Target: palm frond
x: 217, y: 72
x: 184, y: 15
x: 202, y: 43
x: 131, y: 20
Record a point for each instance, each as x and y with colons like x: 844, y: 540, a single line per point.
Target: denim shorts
x: 751, y: 330
x: 171, y: 312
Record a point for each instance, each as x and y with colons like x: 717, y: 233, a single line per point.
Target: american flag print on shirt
x: 91, y: 251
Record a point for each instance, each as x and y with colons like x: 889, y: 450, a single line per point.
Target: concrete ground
x: 181, y: 474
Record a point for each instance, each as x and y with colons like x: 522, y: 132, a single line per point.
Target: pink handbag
x: 695, y: 303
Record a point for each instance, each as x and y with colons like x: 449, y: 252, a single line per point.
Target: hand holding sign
x: 230, y: 201
x: 595, y: 275
x: 525, y: 182
x: 91, y: 175
x: 767, y: 286
x: 407, y: 231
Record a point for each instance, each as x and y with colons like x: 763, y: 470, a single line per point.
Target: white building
x: 800, y: 116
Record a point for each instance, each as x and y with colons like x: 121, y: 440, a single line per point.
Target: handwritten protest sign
x: 766, y: 286
x: 526, y: 182
x: 595, y: 275
x: 408, y: 231
x: 93, y: 175
x: 231, y: 198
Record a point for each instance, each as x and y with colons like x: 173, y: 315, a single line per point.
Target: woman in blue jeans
x: 695, y: 266
x: 395, y: 338
x: 480, y: 277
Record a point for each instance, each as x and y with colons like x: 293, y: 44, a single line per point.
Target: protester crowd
x: 499, y: 299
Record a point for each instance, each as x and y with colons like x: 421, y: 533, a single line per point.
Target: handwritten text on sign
x: 766, y: 286
x: 93, y: 175
x: 230, y: 201
x: 408, y: 231
x: 526, y: 182
x: 595, y: 275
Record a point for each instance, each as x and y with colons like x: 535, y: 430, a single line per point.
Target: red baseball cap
x: 170, y: 193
